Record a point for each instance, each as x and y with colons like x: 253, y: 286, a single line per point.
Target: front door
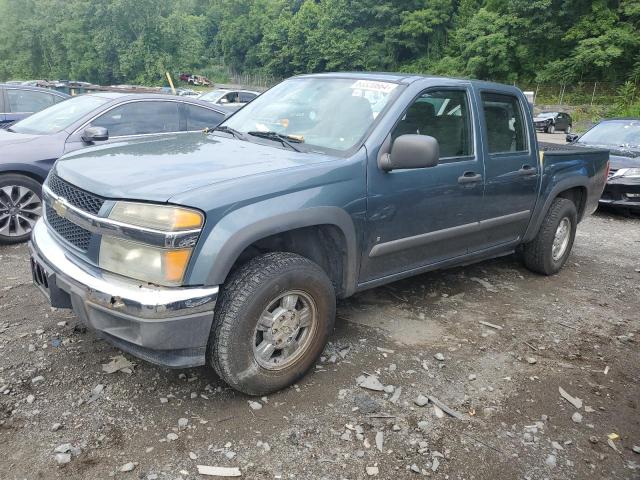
x: 130, y: 120
x: 512, y: 169
x: 420, y: 217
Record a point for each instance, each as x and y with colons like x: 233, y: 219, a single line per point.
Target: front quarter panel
x: 244, y: 210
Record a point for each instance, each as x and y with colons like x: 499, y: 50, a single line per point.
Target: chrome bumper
x: 168, y: 326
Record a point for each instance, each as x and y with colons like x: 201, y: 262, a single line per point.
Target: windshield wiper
x: 225, y: 129
x: 278, y: 137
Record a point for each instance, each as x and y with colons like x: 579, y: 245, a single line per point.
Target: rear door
x: 512, y: 168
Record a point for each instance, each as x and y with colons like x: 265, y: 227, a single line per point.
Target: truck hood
x: 159, y: 169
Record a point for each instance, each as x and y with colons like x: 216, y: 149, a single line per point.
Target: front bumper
x: 166, y: 326
x: 622, y: 193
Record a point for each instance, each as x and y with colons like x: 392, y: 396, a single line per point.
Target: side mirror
x: 411, y: 151
x: 572, y: 137
x: 95, y: 134
x: 224, y: 100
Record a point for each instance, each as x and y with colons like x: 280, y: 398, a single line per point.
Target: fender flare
x: 541, y: 212
x: 226, y: 241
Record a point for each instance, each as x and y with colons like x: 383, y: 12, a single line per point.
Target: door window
x: 444, y: 115
x: 246, y: 97
x: 231, y: 97
x: 199, y: 118
x: 504, y: 119
x: 140, y: 118
x: 27, y: 101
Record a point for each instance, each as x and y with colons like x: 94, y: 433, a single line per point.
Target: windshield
x: 321, y: 113
x: 546, y: 115
x: 213, y: 95
x: 59, y: 116
x: 615, y: 133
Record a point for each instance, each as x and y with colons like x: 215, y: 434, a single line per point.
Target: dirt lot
x: 578, y: 330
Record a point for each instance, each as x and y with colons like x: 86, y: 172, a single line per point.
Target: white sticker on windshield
x: 373, y: 86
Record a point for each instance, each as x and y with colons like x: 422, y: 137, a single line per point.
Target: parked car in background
x: 30, y: 147
x: 231, y: 99
x: 19, y: 101
x: 551, y: 121
x: 622, y: 137
x: 230, y: 249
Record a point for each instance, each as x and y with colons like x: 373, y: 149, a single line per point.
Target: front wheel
x: 548, y: 251
x: 551, y: 128
x: 271, y: 324
x: 568, y: 129
x: 20, y: 207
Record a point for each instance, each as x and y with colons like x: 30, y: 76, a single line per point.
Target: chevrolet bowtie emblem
x: 60, y: 207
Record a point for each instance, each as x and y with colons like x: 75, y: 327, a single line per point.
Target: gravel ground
x: 422, y: 336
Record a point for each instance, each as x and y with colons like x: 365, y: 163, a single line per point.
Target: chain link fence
x: 583, y: 93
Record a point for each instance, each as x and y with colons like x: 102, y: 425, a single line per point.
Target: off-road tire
x: 22, y: 181
x: 537, y: 255
x: 244, y: 296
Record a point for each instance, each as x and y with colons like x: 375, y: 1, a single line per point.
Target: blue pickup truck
x: 229, y: 248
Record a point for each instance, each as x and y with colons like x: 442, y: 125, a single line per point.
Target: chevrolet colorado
x: 229, y: 247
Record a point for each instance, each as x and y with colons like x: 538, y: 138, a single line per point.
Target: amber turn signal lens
x: 175, y: 264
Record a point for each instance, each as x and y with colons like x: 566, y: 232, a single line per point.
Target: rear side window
x: 140, y: 118
x: 444, y: 115
x: 505, y: 123
x: 199, y: 118
x: 246, y: 97
x: 26, y: 101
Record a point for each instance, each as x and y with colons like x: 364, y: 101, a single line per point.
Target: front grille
x: 75, y: 196
x: 72, y: 233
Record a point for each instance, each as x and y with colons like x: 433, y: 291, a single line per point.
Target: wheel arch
x: 325, y: 235
x: 32, y: 173
x: 574, y: 189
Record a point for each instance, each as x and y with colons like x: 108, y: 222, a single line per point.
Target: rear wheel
x: 272, y: 321
x: 20, y: 207
x: 548, y: 251
x: 568, y: 129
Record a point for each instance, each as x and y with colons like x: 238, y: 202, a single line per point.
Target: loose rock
x: 128, y: 467
x: 370, y: 382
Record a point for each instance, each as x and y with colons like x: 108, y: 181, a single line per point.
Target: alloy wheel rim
x: 20, y: 208
x: 285, y: 330
x: 561, y: 239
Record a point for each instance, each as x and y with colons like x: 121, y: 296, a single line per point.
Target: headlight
x: 158, y: 217
x: 149, y: 263
x: 142, y: 262
x: 629, y: 172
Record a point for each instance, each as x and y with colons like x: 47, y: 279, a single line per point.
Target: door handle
x: 527, y: 170
x: 470, y: 177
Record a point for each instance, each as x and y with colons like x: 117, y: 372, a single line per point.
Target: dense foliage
x: 131, y: 41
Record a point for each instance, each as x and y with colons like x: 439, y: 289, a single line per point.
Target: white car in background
x: 228, y: 98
